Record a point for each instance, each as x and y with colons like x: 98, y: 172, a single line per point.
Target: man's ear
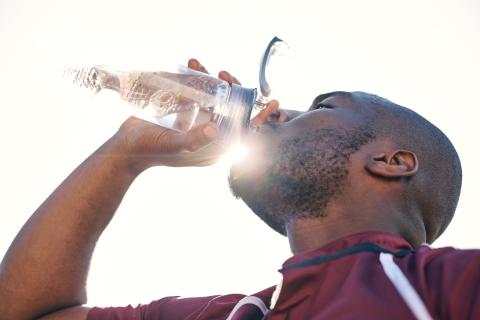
x: 395, y: 164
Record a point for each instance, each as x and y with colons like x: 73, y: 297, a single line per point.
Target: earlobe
x: 395, y: 164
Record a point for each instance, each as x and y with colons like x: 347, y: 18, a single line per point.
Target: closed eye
x: 321, y: 106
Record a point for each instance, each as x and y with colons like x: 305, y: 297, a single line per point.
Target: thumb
x: 200, y: 136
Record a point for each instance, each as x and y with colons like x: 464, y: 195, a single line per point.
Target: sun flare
x: 235, y: 153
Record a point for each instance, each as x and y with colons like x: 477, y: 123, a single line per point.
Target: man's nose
x: 286, y: 115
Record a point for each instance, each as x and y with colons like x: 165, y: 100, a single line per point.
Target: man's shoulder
x: 448, y: 279
x: 440, y: 267
x: 445, y: 255
x: 440, y: 270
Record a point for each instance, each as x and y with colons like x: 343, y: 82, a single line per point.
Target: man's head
x: 356, y: 157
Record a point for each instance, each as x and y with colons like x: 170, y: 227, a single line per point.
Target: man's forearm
x: 46, y: 266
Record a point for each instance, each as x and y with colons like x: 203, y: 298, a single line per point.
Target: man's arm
x: 46, y: 266
x: 45, y: 269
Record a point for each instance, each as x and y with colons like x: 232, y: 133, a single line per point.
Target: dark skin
x: 378, y: 175
x: 45, y: 269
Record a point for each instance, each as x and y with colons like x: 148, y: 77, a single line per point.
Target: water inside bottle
x: 183, y: 118
x: 180, y: 104
x: 175, y: 101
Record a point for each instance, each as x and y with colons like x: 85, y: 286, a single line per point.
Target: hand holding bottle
x: 145, y: 144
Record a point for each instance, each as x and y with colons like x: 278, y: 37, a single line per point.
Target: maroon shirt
x: 370, y: 275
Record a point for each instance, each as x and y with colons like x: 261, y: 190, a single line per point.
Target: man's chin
x: 242, y: 181
x: 235, y: 181
x: 243, y: 169
x: 233, y: 187
x: 247, y: 176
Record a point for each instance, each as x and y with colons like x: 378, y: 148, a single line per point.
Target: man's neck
x: 310, y: 234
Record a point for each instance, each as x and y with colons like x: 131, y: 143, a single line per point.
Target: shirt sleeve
x: 453, y: 279
x: 171, y: 308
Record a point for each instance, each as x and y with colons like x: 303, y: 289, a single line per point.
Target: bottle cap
x: 238, y: 110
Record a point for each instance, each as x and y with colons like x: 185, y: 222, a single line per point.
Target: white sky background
x: 178, y: 231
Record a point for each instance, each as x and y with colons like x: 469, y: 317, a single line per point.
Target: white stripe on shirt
x: 404, y: 288
x: 249, y: 300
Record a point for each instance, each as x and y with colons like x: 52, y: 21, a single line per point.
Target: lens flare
x: 235, y: 153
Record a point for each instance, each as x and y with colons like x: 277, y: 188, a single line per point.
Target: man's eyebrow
x: 324, y: 96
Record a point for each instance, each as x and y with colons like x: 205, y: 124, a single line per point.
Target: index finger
x: 224, y: 75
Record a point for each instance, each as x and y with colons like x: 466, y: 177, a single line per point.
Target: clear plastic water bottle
x: 178, y: 101
x: 186, y: 98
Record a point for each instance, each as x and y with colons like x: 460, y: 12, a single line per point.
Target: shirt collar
x: 385, y: 240
x: 364, y: 241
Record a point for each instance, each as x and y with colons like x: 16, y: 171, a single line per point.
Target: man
x: 357, y: 183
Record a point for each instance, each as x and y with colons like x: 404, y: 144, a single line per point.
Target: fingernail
x: 210, y: 132
x: 274, y: 103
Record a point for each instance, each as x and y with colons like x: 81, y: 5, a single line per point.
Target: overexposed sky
x: 178, y: 231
